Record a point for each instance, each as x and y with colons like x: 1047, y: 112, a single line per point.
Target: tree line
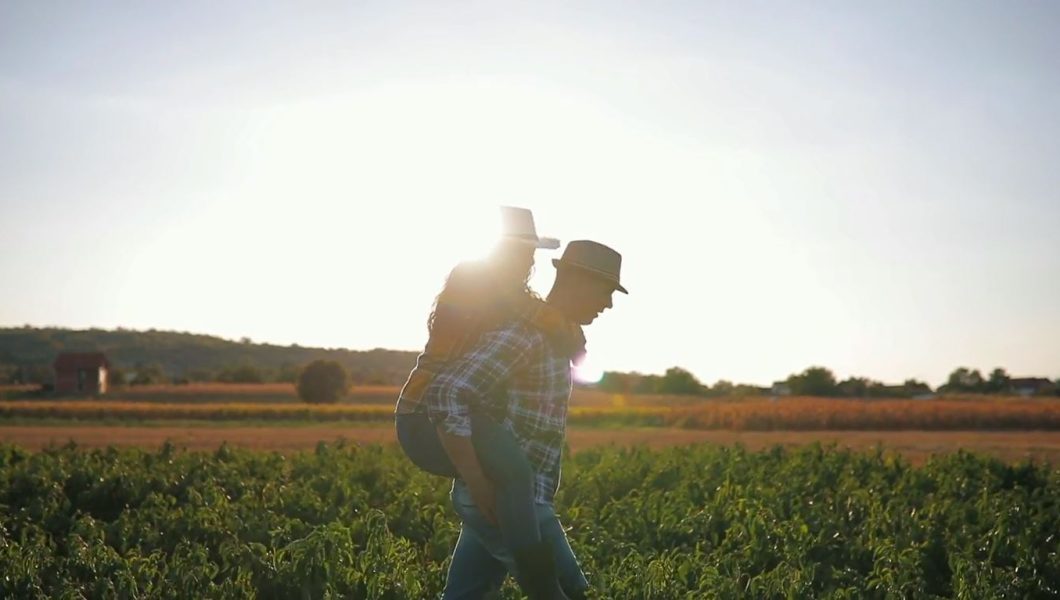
x: 165, y: 357
x: 821, y: 381
x: 156, y: 357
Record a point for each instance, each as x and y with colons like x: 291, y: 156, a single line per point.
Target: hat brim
x: 539, y: 243
x: 557, y: 262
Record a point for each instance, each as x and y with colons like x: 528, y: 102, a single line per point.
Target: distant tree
x: 615, y: 382
x: 854, y: 387
x: 648, y: 384
x: 976, y: 383
x: 964, y: 379
x: 999, y: 381
x: 814, y: 381
x: 676, y: 381
x: 147, y: 374
x: 878, y: 389
x: 679, y: 381
x: 322, y: 382
x: 241, y: 374
x: 721, y: 388
x: 916, y: 388
x: 958, y: 377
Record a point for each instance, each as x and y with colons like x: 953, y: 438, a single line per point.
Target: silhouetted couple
x: 487, y: 404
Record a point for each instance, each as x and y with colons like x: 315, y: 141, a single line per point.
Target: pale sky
x: 869, y: 186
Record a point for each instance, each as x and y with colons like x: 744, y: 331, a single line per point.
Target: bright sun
x: 588, y: 373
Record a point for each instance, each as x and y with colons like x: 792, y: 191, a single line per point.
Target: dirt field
x: 914, y: 445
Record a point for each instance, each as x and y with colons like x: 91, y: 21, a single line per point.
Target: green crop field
x: 360, y: 522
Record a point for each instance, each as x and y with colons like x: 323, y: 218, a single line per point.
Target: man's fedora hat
x: 518, y: 224
x: 594, y: 258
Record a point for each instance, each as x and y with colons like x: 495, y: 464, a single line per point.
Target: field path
x: 914, y: 445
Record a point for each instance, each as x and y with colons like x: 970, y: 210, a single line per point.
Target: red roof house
x: 81, y: 373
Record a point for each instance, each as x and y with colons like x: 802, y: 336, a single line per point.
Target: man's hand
x: 462, y: 454
x: 485, y: 497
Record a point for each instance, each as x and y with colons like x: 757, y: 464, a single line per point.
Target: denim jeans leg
x: 504, y: 461
x: 568, y: 571
x: 473, y: 572
x: 475, y: 524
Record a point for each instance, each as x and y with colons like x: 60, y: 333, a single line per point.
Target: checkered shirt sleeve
x: 482, y: 372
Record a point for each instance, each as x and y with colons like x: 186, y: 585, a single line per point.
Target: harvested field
x: 914, y: 445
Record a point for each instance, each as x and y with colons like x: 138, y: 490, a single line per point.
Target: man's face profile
x: 593, y: 297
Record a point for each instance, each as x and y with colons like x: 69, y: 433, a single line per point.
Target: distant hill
x: 191, y: 356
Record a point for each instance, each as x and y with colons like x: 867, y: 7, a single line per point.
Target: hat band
x: 605, y: 274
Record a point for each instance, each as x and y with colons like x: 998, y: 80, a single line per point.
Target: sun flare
x: 588, y: 373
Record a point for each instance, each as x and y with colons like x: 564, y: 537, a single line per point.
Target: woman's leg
x: 505, y: 463
x: 503, y: 460
x: 419, y: 439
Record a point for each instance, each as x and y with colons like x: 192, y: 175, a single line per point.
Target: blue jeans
x: 481, y: 560
x: 502, y: 459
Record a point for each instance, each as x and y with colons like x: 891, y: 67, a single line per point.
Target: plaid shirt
x: 522, y: 378
x: 462, y: 317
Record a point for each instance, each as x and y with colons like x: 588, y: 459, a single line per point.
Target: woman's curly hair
x: 474, y: 287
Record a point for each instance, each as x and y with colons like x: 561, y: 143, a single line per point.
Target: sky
x: 867, y: 186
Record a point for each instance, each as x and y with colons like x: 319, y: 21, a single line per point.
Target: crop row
x: 360, y: 522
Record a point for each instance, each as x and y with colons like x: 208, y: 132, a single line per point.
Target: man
x: 521, y: 378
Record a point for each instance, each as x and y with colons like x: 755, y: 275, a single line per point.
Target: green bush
x: 323, y: 382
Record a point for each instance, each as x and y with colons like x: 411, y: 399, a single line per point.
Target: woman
x: 479, y: 297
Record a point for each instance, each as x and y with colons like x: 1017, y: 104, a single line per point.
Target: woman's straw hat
x: 518, y: 224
